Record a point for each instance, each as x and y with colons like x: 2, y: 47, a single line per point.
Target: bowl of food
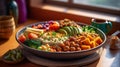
x: 13, y: 56
x: 63, y: 39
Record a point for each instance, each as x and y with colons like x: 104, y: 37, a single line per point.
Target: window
x: 107, y: 6
x: 111, y: 4
x: 61, y: 0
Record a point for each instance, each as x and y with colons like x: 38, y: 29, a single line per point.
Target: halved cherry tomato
x: 22, y: 38
x: 32, y: 36
x: 54, y: 26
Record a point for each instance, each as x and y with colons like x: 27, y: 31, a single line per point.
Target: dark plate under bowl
x: 61, y: 55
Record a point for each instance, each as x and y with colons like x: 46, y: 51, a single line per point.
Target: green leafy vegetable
x: 88, y: 29
x: 54, y: 33
x: 33, y: 43
x: 13, y: 55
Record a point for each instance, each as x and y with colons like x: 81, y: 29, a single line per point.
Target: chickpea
x: 77, y: 41
x: 67, y: 43
x: 72, y: 38
x: 51, y: 50
x: 54, y: 50
x: 80, y: 42
x: 76, y: 45
x: 66, y: 48
x: 53, y: 47
x: 58, y: 48
x: 44, y: 47
x: 47, y: 45
x: 48, y: 49
x: 72, y: 48
x: 40, y: 48
x: 78, y: 49
x: 72, y: 44
x: 62, y: 45
x: 61, y: 21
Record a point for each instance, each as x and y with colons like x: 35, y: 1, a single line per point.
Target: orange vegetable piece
x: 82, y: 37
x: 86, y: 41
x: 90, y: 37
x: 98, y: 40
x: 93, y: 44
x: 84, y: 47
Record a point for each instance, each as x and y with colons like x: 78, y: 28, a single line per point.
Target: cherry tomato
x: 54, y: 26
x: 22, y: 38
x: 32, y: 36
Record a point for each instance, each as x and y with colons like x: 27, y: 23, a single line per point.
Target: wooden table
x: 109, y: 58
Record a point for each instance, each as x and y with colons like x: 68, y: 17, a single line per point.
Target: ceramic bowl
x: 61, y: 55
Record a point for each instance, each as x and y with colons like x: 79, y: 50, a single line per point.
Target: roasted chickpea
x: 53, y: 47
x: 47, y: 45
x: 72, y: 44
x: 72, y: 38
x: 51, y: 50
x: 61, y: 45
x: 72, y: 48
x: 76, y: 45
x: 80, y: 43
x: 77, y: 41
x: 66, y: 48
x: 78, y: 48
x: 58, y: 48
x: 67, y: 43
x: 43, y: 48
x: 54, y: 50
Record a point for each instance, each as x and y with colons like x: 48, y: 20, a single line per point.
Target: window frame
x: 70, y: 4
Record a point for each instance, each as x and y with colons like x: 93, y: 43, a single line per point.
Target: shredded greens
x: 88, y: 29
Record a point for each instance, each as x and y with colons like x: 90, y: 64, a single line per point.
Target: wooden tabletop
x: 109, y: 58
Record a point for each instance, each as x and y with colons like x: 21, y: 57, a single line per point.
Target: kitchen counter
x: 108, y: 58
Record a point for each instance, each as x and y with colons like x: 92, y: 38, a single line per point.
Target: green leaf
x: 33, y: 43
x: 88, y: 29
x: 54, y: 33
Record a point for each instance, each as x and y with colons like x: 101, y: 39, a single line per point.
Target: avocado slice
x: 63, y: 31
x: 68, y: 30
x: 75, y: 30
x: 72, y: 30
x: 79, y: 30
